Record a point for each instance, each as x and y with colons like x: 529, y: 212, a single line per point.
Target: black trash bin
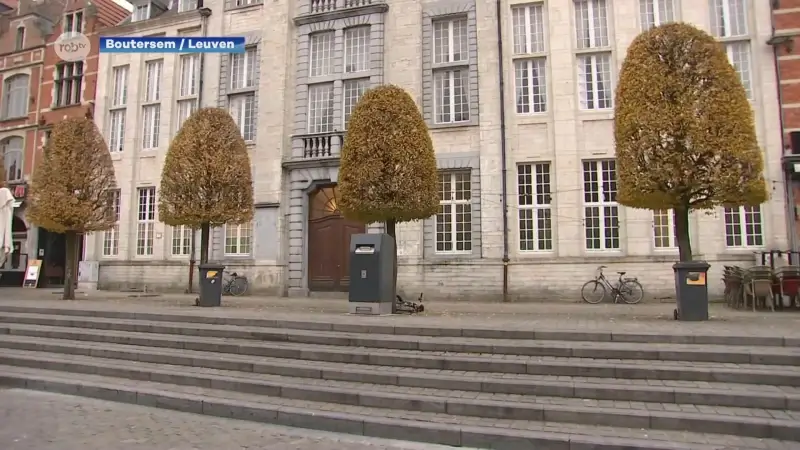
x: 691, y: 290
x: 210, y: 285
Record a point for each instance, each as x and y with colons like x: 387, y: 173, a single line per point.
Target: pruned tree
x: 388, y: 167
x: 684, y: 129
x: 70, y: 188
x: 206, y: 180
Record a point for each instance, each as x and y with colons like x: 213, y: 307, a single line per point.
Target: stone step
x: 602, y: 389
x: 428, y: 427
x: 569, y: 349
x: 585, y: 367
x: 364, y: 325
x: 758, y: 423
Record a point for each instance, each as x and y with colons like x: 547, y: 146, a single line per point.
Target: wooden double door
x: 329, y: 242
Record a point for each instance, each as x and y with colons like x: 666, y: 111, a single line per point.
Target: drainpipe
x: 36, y: 147
x: 791, y: 213
x: 503, y: 164
x: 204, y: 15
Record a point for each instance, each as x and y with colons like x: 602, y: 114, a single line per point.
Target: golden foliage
x: 388, y: 168
x: 69, y: 191
x: 683, y: 125
x: 206, y: 177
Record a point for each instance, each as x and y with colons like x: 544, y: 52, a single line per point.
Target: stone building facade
x: 550, y: 121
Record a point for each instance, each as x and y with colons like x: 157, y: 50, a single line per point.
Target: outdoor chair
x: 758, y: 286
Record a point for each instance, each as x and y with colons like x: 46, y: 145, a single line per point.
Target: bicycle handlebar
x: 602, y: 267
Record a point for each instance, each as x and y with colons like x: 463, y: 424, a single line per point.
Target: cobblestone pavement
x: 43, y: 421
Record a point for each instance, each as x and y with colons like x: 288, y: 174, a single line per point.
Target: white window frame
x: 740, y: 55
x: 589, y: 94
x: 451, y: 71
x: 604, y: 171
x: 660, y: 216
x: 239, y: 239
x: 534, y: 203
x: 587, y: 35
x: 68, y: 83
x: 73, y: 22
x: 661, y: 11
x: 15, y: 154
x: 321, y: 53
x: 116, y: 132
x: 151, y: 109
x: 118, y: 109
x: 321, y: 120
x: 188, y: 85
x: 119, y: 88
x: 111, y: 236
x: 352, y: 91
x: 16, y: 90
x: 146, y: 220
x: 243, y: 71
x: 529, y: 34
x: 181, y: 241
x: 448, y: 183
x: 357, y: 49
x: 154, y: 73
x: 140, y: 13
x: 730, y: 24
x: 242, y: 108
x: 743, y: 216
x: 151, y: 125
x: 19, y: 40
x: 187, y: 5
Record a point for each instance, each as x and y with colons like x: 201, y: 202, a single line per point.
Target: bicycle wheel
x: 631, y: 292
x: 593, y: 292
x: 238, y: 286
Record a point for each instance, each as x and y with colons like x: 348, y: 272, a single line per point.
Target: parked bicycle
x: 629, y: 289
x: 235, y: 284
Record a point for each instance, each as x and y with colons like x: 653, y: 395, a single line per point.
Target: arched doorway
x: 329, y: 242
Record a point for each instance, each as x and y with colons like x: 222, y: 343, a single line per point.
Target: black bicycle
x: 235, y: 284
x: 629, y: 289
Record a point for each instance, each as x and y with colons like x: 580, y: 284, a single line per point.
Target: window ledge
x: 593, y: 50
x: 244, y: 90
x: 151, y: 103
x: 450, y: 65
x: 13, y: 118
x: 589, y: 115
x: 243, y: 8
x: 452, y: 126
x: 116, y: 156
x: 57, y: 107
x: 117, y: 108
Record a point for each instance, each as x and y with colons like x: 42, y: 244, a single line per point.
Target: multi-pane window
x: 15, y: 96
x: 529, y: 63
x: 591, y: 24
x: 451, y: 70
x: 73, y: 22
x: 68, y: 82
x: 141, y: 12
x: 320, y: 108
x: 664, y: 234
x: 535, y: 213
x: 187, y: 5
x: 187, y: 88
x: 185, y: 109
x: 601, y: 211
x: 594, y: 68
x: 356, y: 49
x: 111, y: 236
x: 729, y: 24
x: 12, y: 152
x: 653, y: 13
x: 242, y: 98
x: 454, y: 217
x: 321, y: 54
x: 181, y: 240
x: 352, y: 90
x: 117, y: 110
x: 238, y: 239
x: 151, y: 111
x: 146, y: 221
x: 744, y: 227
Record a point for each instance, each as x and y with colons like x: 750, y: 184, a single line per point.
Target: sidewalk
x: 645, y: 318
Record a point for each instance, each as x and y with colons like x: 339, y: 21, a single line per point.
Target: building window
x: 111, y: 236
x: 68, y: 83
x: 141, y: 12
x: 116, y: 141
x: 238, y: 239
x: 145, y: 227
x: 739, y: 56
x: 664, y: 231
x: 454, y: 217
x: 591, y: 24
x: 594, y: 67
x: 151, y: 111
x: 117, y: 111
x: 601, y: 211
x: 744, y: 227
x: 356, y: 49
x: 120, y: 88
x: 352, y: 92
x: 187, y: 88
x: 451, y: 84
x: 529, y: 70
x: 535, y: 213
x: 729, y: 24
x: 181, y: 240
x: 654, y: 13
x: 246, y: 2
x: 73, y: 22
x: 321, y: 54
x: 187, y: 5
x: 242, y: 105
x: 320, y: 108
x: 185, y: 110
x: 19, y: 42
x: 15, y: 96
x: 13, y: 156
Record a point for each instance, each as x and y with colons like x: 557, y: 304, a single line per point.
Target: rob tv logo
x: 72, y: 46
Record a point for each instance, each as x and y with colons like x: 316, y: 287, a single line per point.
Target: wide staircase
x: 477, y: 388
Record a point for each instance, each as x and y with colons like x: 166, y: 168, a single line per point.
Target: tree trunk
x: 391, y: 230
x: 205, y: 236
x: 70, y: 263
x: 681, y: 218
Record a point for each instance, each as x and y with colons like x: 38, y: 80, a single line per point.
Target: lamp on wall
x: 782, y: 40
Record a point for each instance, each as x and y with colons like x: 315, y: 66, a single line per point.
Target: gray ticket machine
x: 372, y: 289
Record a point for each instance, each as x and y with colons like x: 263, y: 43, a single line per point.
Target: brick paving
x: 44, y: 421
